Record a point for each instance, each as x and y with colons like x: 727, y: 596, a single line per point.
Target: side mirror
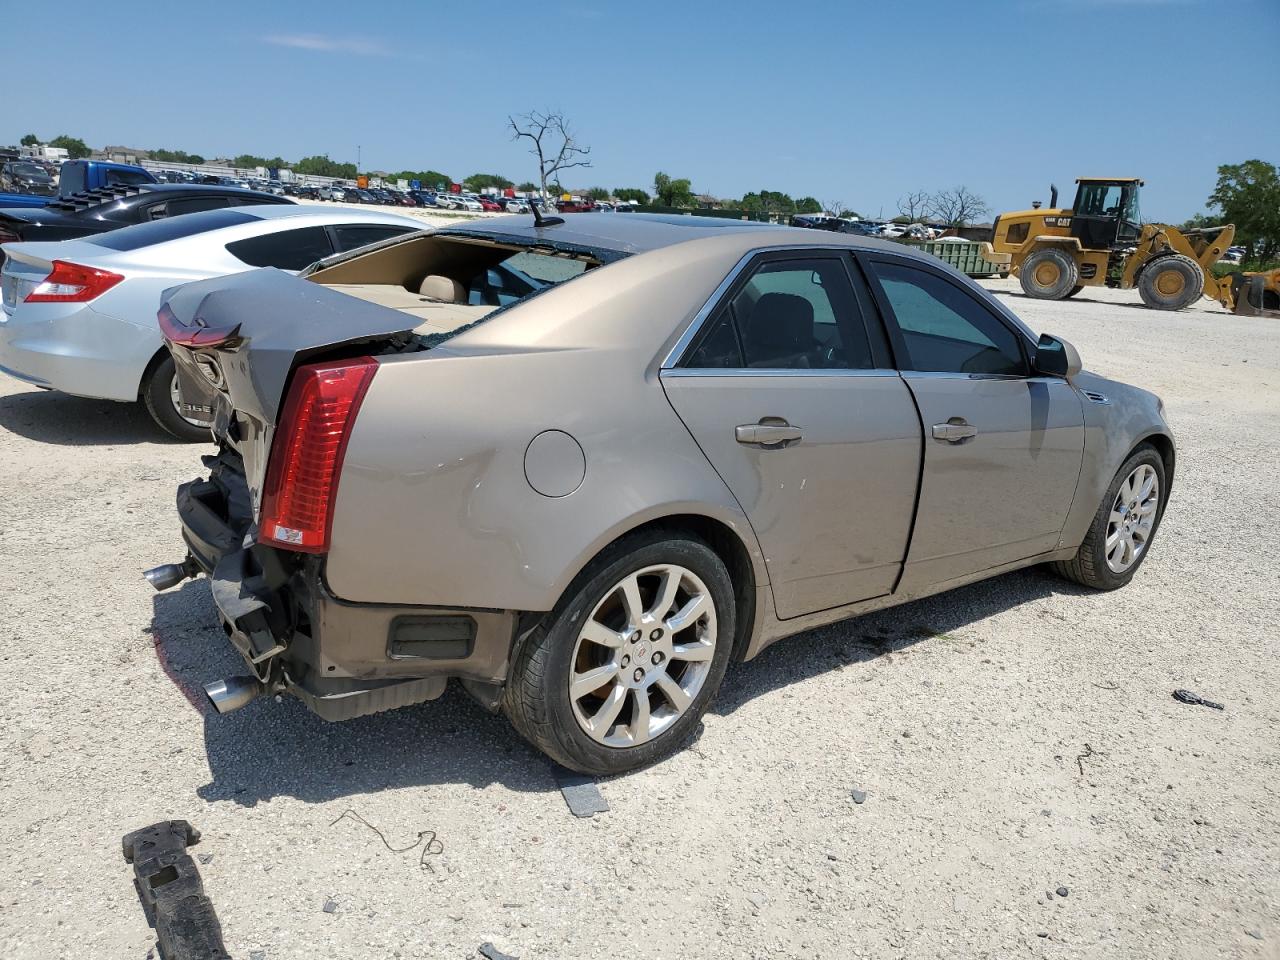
x: 1056, y: 358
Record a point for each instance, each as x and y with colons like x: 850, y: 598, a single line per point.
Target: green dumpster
x: 965, y: 257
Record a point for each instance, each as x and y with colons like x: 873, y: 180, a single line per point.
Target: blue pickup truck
x: 78, y: 176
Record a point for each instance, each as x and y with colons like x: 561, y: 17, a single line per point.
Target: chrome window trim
x: 774, y: 372
x: 959, y: 375
x: 676, y: 352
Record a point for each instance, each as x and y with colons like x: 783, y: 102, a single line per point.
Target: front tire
x: 1171, y: 283
x: 620, y: 673
x: 160, y: 395
x: 1120, y: 536
x: 1049, y: 274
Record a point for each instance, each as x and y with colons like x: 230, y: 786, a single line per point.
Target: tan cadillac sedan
x: 581, y: 464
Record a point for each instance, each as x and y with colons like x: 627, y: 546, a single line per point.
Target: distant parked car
x: 85, y: 214
x: 425, y: 198
x: 23, y: 176
x: 517, y: 205
x: 332, y: 191
x: 489, y: 205
x: 80, y: 315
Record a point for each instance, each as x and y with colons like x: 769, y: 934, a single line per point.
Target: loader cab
x: 1106, y: 213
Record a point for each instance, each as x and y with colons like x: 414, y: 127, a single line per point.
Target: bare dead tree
x: 835, y: 208
x: 958, y: 206
x: 552, y: 142
x: 915, y: 205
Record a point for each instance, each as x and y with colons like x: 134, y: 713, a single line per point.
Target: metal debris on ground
x: 490, y: 952
x: 431, y: 846
x: 330, y: 905
x: 581, y: 793
x: 1187, y: 696
x: 859, y: 796
x: 171, y: 892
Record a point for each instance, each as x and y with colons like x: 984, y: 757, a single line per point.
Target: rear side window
x: 351, y: 236
x: 176, y: 208
x: 790, y: 314
x: 170, y: 228
x: 128, y: 177
x: 945, y: 329
x: 287, y: 250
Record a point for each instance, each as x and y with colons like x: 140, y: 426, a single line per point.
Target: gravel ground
x: 1011, y: 738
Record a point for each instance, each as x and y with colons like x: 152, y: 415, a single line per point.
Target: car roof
x: 649, y: 231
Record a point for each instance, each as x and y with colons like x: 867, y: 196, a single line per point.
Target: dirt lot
x: 1013, y: 737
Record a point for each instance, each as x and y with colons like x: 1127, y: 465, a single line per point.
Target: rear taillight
x: 72, y: 283
x: 306, y: 454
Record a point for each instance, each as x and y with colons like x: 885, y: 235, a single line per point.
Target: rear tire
x: 158, y: 395
x: 675, y: 665
x: 1091, y: 567
x: 1073, y: 291
x: 1049, y: 274
x: 1171, y: 283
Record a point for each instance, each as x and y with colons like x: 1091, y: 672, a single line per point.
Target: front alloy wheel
x: 1119, y: 536
x: 1132, y: 520
x: 642, y: 655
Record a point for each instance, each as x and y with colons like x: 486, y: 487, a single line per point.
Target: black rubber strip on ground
x: 172, y: 893
x: 581, y: 793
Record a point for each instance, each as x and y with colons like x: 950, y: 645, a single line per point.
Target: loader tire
x: 1049, y: 274
x: 1073, y: 291
x: 1171, y: 283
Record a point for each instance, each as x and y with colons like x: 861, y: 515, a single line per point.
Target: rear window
x: 172, y: 228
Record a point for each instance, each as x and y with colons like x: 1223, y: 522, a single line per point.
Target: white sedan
x: 80, y: 315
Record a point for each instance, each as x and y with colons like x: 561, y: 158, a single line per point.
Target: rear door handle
x: 769, y: 432
x: 954, y: 430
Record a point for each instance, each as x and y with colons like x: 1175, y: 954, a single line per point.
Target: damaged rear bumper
x: 341, y: 659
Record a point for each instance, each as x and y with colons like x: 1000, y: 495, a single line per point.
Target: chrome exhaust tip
x: 233, y: 692
x: 170, y: 574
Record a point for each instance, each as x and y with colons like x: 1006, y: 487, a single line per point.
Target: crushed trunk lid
x: 235, y: 340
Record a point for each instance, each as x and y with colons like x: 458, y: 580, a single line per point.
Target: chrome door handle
x: 769, y: 432
x: 954, y: 430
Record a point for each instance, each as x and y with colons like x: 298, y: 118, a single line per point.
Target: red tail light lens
x: 306, y: 454
x: 72, y: 283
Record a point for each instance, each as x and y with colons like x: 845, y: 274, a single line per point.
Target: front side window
x: 790, y: 314
x: 286, y: 250
x: 944, y: 329
x: 1099, y: 200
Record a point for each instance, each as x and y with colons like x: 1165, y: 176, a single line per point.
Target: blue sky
x: 853, y: 101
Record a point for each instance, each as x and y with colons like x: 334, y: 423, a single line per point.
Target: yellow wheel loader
x: 1101, y: 241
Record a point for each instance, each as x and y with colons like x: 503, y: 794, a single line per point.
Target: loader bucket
x: 1256, y: 294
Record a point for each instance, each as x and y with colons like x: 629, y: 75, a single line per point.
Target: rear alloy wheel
x: 1049, y: 274
x: 629, y: 662
x: 1120, y: 536
x: 1171, y: 283
x: 160, y: 394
